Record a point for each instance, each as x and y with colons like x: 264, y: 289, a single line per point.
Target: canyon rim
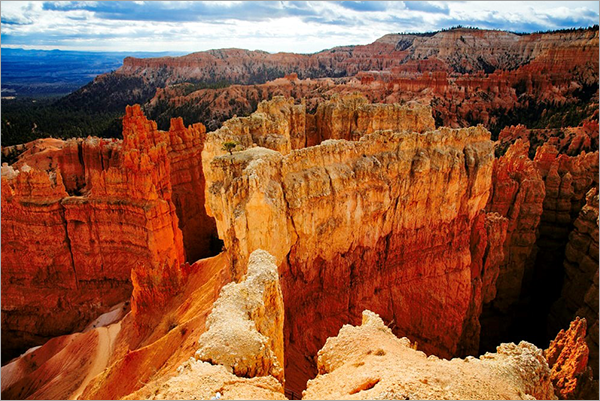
x: 409, y: 217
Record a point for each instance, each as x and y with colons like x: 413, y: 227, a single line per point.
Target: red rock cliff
x: 358, y: 224
x: 125, y: 221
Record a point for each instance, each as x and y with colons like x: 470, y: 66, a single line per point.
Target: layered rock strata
x: 357, y: 222
x: 567, y: 357
x: 113, y: 214
x: 369, y: 362
x: 517, y: 193
x: 567, y: 180
x: 579, y: 296
x: 281, y: 125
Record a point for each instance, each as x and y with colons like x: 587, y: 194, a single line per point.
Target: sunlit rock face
x: 357, y: 223
x: 368, y: 361
x: 72, y: 237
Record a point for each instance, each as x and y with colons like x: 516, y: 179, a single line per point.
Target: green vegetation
x: 229, y: 146
x: 27, y: 119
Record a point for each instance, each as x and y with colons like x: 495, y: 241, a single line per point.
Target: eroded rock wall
x: 579, y: 296
x: 567, y: 357
x: 359, y: 224
x: 517, y: 193
x: 126, y: 221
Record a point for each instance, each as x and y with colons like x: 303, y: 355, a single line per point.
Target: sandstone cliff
x: 567, y: 357
x: 567, y: 180
x: 369, y: 362
x: 517, y: 194
x: 580, y: 290
x: 469, y: 76
x: 357, y: 222
x: 112, y: 214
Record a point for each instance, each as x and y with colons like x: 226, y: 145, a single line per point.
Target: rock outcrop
x: 369, y: 362
x: 517, y: 194
x: 244, y: 332
x: 113, y: 361
x: 579, y: 296
x: 239, y: 350
x: 113, y: 213
x: 567, y: 180
x: 567, y: 357
x: 203, y: 381
x: 357, y: 222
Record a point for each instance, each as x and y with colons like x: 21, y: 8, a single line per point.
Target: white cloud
x: 274, y: 26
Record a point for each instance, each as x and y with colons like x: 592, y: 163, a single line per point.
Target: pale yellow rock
x: 244, y: 332
x: 199, y: 380
x: 369, y: 362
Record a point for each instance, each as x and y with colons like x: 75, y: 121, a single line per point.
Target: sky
x: 273, y: 26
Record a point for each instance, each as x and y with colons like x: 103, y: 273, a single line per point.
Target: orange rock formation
x: 357, y: 206
x: 568, y: 357
x: 368, y: 251
x: 115, y: 211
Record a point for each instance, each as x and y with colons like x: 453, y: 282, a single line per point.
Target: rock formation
x: 567, y: 180
x: 579, y: 295
x: 517, y: 194
x: 469, y: 76
x: 244, y: 332
x: 368, y: 362
x: 569, y: 140
x: 240, y: 354
x: 114, y: 361
x: 113, y: 212
x: 567, y: 357
x: 369, y: 251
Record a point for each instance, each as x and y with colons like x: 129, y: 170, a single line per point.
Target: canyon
x: 356, y: 237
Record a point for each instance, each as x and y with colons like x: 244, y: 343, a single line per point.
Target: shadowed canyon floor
x: 338, y: 249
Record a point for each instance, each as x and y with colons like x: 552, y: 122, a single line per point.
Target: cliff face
x: 369, y: 362
x: 336, y: 217
x: 567, y: 357
x: 458, y: 50
x: 580, y: 289
x: 470, y: 76
x: 114, y: 213
x: 50, y: 287
x: 517, y: 194
x: 567, y: 180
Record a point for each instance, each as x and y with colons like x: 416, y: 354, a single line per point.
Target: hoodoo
x: 413, y: 218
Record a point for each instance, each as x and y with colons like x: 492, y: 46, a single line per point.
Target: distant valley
x: 45, y: 73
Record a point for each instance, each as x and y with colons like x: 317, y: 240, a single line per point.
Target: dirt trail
x: 106, y: 338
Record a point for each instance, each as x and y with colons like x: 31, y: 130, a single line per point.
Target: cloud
x: 427, y: 7
x: 294, y: 26
x: 364, y: 5
x: 185, y: 11
x: 15, y: 21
